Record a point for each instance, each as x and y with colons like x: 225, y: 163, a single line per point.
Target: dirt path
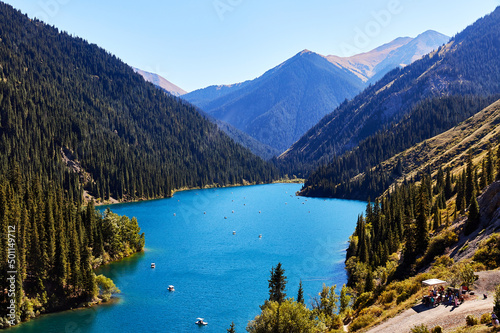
x: 446, y: 316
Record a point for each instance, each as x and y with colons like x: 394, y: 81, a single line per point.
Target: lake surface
x: 217, y: 275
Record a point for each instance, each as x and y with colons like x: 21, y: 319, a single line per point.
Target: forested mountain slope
x: 467, y: 65
x: 132, y: 140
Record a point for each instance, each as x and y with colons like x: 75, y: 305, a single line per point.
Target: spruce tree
x: 369, y: 286
x: 231, y: 329
x: 470, y: 181
x: 490, y: 173
x: 422, y: 227
x: 474, y: 216
x: 277, y: 284
x: 300, y: 293
x: 448, y: 187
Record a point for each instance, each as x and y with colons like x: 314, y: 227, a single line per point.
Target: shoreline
x: 206, y: 187
x: 81, y: 306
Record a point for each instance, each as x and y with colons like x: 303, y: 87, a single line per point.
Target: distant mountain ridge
x: 467, y: 65
x: 283, y: 103
x: 278, y: 107
x: 161, y: 82
x: 373, y: 65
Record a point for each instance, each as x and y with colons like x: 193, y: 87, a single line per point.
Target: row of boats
x: 199, y: 321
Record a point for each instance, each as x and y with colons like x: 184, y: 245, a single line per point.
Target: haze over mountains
x: 278, y: 107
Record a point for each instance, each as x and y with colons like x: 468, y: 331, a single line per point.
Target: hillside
x: 131, y: 140
x: 161, y: 82
x: 278, y: 107
x: 467, y: 65
x: 359, y: 173
x: 439, y: 219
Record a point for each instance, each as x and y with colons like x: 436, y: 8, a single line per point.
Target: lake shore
x: 113, y: 201
x: 82, y: 305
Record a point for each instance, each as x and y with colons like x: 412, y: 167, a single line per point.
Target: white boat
x: 153, y: 265
x: 171, y: 288
x: 234, y: 232
x: 199, y: 321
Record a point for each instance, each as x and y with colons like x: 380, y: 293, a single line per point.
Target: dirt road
x: 446, y: 316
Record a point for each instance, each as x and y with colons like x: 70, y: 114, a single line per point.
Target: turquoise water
x: 217, y: 275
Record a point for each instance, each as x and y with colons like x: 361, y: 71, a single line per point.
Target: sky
x: 197, y: 43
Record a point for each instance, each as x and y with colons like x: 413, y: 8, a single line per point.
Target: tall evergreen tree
x: 231, y: 329
x: 277, y: 284
x: 422, y: 227
x: 474, y: 218
x: 448, y: 188
x: 470, y: 180
x: 300, y: 293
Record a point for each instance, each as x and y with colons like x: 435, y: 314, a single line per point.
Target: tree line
x: 404, y: 220
x: 57, y: 245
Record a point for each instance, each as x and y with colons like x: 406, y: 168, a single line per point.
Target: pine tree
x: 469, y: 183
x: 362, y: 241
x: 277, y: 284
x: 474, y: 216
x: 489, y: 166
x: 483, y: 182
x: 422, y: 227
x: 448, y: 188
x: 231, y: 329
x: 300, y: 293
x: 369, y: 286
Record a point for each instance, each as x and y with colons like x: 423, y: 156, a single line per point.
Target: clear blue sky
x: 196, y: 43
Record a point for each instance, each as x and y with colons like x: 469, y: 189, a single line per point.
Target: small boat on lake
x: 171, y: 288
x: 153, y: 265
x: 260, y: 236
x: 234, y: 232
x: 200, y: 322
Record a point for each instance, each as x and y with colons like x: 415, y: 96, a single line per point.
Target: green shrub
x: 444, y: 261
x: 489, y: 252
x: 437, y: 246
x: 363, y: 300
x: 437, y: 329
x: 375, y: 311
x: 361, y: 322
x: 470, y: 320
x: 420, y: 329
x: 485, y: 318
x: 388, y: 297
x: 402, y: 297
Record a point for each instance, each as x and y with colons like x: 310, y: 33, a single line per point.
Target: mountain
x: 281, y: 105
x: 278, y: 107
x: 467, y: 65
x: 69, y: 107
x: 258, y: 148
x: 378, y: 162
x: 373, y: 65
x: 161, y: 82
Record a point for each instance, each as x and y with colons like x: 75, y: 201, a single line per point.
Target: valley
x: 315, y: 197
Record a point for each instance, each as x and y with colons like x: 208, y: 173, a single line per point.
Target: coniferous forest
x: 79, y: 128
x: 75, y: 119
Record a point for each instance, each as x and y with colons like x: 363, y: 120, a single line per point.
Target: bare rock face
x: 489, y: 205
